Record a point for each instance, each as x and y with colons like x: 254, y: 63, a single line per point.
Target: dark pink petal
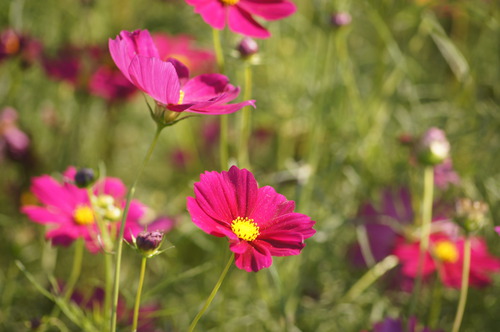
x: 63, y: 236
x: 296, y: 222
x: 269, y: 205
x: 43, y: 215
x: 270, y: 10
x: 181, y: 69
x: 282, y: 243
x: 163, y: 224
x: 212, y: 12
x: 245, y: 188
x: 240, y: 21
x: 204, y: 87
x: 221, y: 109
x: 50, y: 192
x: 251, y: 258
x: 157, y: 78
x: 205, y: 222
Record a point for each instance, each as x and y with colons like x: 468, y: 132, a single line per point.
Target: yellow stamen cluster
x: 83, y: 215
x: 246, y: 229
x: 446, y: 251
x: 230, y: 2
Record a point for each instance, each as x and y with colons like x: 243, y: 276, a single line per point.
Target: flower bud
x: 247, y: 47
x: 84, y: 177
x: 148, y: 243
x: 433, y: 147
x: 340, y: 19
x: 470, y: 215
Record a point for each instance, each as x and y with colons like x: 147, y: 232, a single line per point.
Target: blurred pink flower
x: 444, y: 174
x: 238, y: 14
x: 70, y: 215
x: 66, y: 65
x: 167, y: 82
x: 15, y: 44
x: 397, y: 325
x: 445, y: 256
x: 180, y: 47
x: 14, y: 143
x: 110, y: 84
x: 259, y: 222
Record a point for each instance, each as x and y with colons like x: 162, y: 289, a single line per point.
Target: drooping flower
x: 445, y: 256
x: 167, y: 82
x: 258, y: 222
x: 181, y: 47
x: 238, y: 14
x: 70, y: 213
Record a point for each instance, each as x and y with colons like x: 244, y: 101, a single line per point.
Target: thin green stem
x: 138, y: 295
x: 245, y: 129
x: 131, y: 191
x: 108, y: 284
x: 75, y: 270
x: 370, y: 277
x: 465, y: 286
x: 219, y: 55
x: 435, y: 309
x: 212, y: 295
x: 425, y: 233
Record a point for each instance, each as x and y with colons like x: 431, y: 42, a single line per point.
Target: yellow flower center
x: 446, y: 251
x: 181, y: 97
x: 246, y: 229
x: 230, y: 2
x: 83, y: 215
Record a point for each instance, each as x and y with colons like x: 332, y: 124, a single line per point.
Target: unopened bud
x: 84, y: 177
x: 247, y: 47
x: 433, y: 147
x: 470, y: 215
x: 148, y: 243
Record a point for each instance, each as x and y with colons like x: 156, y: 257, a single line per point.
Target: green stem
x: 116, y: 281
x: 75, y: 270
x: 465, y: 285
x: 370, y: 277
x: 219, y: 55
x: 108, y: 286
x: 139, y: 291
x: 425, y: 233
x: 435, y: 309
x: 212, y: 295
x: 243, y: 153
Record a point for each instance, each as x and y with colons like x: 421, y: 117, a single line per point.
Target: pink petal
x: 181, y: 70
x: 295, y: 222
x: 205, y: 222
x: 282, y: 243
x: 51, y: 193
x: 111, y: 186
x: 254, y: 258
x: 221, y: 109
x: 43, y: 215
x: 240, y: 21
x: 213, y: 12
x: 246, y: 189
x: 269, y: 205
x: 157, y: 78
x: 270, y: 10
x: 204, y: 87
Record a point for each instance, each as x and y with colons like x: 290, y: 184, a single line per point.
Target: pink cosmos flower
x: 238, y: 14
x: 110, y: 84
x: 259, y: 222
x: 180, y: 47
x: 70, y: 215
x: 445, y: 256
x: 167, y: 82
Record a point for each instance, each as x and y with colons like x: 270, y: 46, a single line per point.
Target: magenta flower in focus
x: 258, y: 222
x: 445, y: 256
x: 167, y: 82
x: 70, y: 215
x: 180, y: 47
x: 238, y: 14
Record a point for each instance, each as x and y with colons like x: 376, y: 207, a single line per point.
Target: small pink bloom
x: 180, y: 47
x: 167, y: 82
x: 70, y: 215
x: 238, y: 14
x: 444, y: 174
x: 445, y: 256
x: 14, y: 143
x: 259, y: 222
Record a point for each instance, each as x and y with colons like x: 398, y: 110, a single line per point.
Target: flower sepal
x: 147, y: 243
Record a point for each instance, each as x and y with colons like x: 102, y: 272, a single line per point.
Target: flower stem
x: 75, y: 270
x: 219, y: 55
x: 243, y: 154
x: 138, y: 295
x: 435, y: 309
x: 212, y: 295
x: 465, y: 285
x: 425, y: 233
x: 130, y: 194
x: 370, y: 277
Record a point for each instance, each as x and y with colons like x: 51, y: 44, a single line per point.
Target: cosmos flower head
x: 258, y: 222
x: 71, y: 214
x: 167, y: 82
x: 445, y: 257
x: 239, y: 14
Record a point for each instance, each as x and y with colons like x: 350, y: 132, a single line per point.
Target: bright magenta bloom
x: 181, y: 47
x: 238, y: 14
x: 167, y: 82
x: 67, y: 209
x: 445, y: 256
x: 258, y: 222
